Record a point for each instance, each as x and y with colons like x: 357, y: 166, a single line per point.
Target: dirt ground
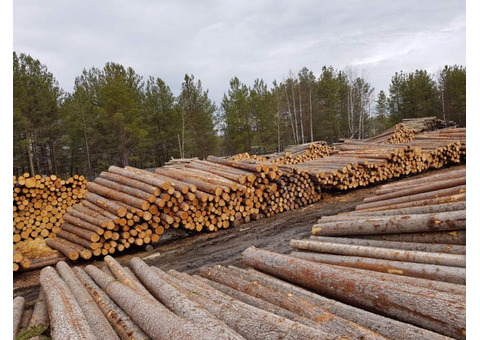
x: 183, y: 252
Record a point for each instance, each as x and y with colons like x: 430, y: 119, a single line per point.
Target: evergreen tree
x: 162, y: 121
x: 380, y: 122
x: 262, y: 108
x: 453, y: 86
x: 413, y: 95
x: 197, y: 137
x: 37, y: 124
x: 237, y: 117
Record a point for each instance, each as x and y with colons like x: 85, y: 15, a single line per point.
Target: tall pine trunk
x: 311, y: 115
x: 301, y: 113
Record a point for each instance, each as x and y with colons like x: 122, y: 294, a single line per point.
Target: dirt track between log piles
x: 183, y: 252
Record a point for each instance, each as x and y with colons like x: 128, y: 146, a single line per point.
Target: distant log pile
x: 405, y: 131
x: 294, y: 154
x: 179, y: 162
x: 359, y: 163
x: 402, y: 134
x: 40, y: 202
x: 129, y: 206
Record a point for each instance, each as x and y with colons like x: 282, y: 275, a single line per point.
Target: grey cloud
x: 216, y: 40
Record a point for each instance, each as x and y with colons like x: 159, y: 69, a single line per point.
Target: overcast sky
x: 217, y: 40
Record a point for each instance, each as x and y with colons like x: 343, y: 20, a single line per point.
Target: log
x: 141, y: 175
x: 178, y: 302
x: 66, y: 317
x: 425, y: 271
x: 329, y: 323
x: 452, y: 260
x: 124, y: 277
x: 453, y: 237
x: 100, y: 222
x: 425, y: 247
x: 126, y: 189
x: 120, y: 321
x: 94, y: 316
x: 437, y: 311
x: 114, y: 195
x: 455, y: 206
x: 133, y: 183
x: 259, y: 303
x: 65, y: 249
x: 248, y: 321
x: 82, y: 224
x: 106, y: 204
x: 388, y: 327
x: 40, y: 312
x: 18, y: 309
x: 78, y: 240
x: 447, y: 221
x: 156, y: 322
x: 27, y: 313
x: 413, y: 197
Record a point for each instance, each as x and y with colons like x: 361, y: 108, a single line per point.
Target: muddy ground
x: 183, y: 252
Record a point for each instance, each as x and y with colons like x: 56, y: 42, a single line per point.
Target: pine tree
x: 197, y: 137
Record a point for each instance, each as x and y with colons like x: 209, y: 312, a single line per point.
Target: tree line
x: 115, y: 117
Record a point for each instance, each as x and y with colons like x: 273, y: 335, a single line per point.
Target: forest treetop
x: 115, y: 117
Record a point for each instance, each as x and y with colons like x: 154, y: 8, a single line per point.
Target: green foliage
x: 197, y: 136
x: 113, y: 117
x: 379, y: 122
x: 331, y: 121
x: 162, y: 120
x: 413, y: 95
x: 40, y: 331
x: 248, y: 117
x: 36, y: 122
x: 237, y: 118
x: 453, y: 86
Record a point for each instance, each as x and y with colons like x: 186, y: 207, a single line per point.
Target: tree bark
x: 329, y: 323
x: 248, y: 321
x: 446, y: 221
x: 94, y: 316
x: 424, y: 271
x: 441, y: 259
x: 387, y: 327
x: 66, y: 317
x: 120, y: 321
x: 178, y: 302
x: 437, y: 311
x: 18, y: 309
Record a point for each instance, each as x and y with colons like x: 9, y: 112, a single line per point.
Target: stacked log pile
x: 406, y: 242
x: 246, y: 156
x: 179, y: 162
x: 401, y: 135
x: 424, y: 308
x: 129, y: 206
x: 147, y: 303
x: 282, y: 297
x: 359, y: 163
x: 408, y: 128
x: 294, y: 154
x: 17, y: 259
x: 40, y: 202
